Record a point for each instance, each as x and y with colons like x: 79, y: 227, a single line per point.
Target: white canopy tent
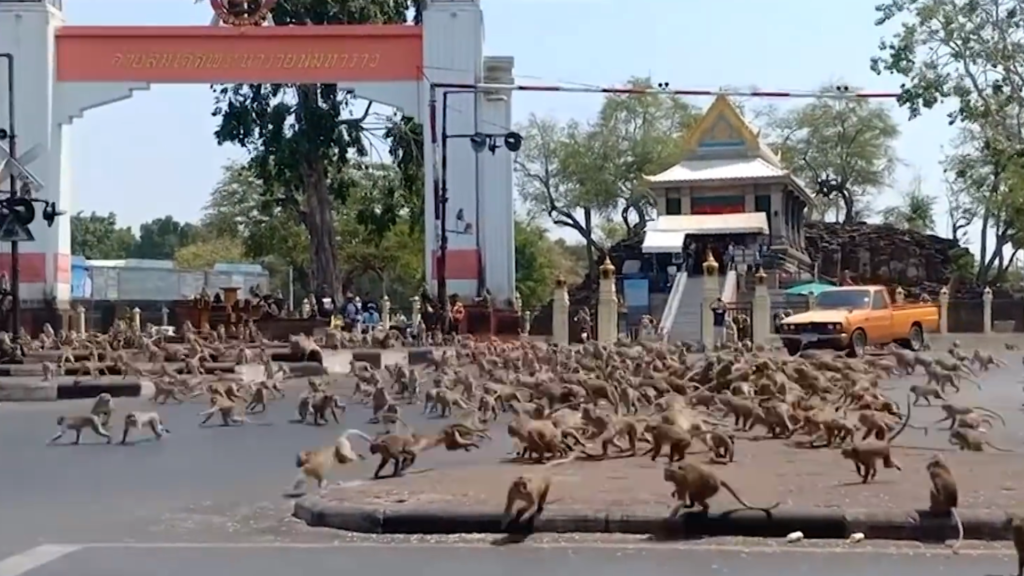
x: 668, y: 233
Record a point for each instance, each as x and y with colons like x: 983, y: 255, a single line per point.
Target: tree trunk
x: 319, y: 222
x: 588, y: 223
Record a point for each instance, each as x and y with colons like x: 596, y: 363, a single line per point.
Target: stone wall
x: 882, y: 254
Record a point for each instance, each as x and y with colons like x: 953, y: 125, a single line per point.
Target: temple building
x: 729, y: 188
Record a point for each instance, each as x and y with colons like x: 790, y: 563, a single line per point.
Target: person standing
x: 718, y: 310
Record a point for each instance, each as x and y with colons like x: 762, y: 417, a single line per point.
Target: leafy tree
x: 98, y: 237
x: 161, y: 238
x: 969, y: 51
x: 298, y: 136
x: 916, y: 210
x: 843, y: 148
x: 535, y: 264
x: 579, y: 174
x: 204, y: 254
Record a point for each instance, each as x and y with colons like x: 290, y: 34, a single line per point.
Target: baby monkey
x: 944, y: 495
x: 77, y: 424
x: 138, y: 420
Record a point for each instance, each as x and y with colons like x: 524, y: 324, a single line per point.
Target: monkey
x: 942, y: 378
x: 953, y: 411
x: 50, y: 370
x: 401, y: 449
x: 695, y: 485
x: 226, y: 409
x: 532, y: 491
x: 164, y: 389
x: 1016, y: 526
x: 304, y: 407
x: 944, y: 495
x: 77, y: 424
x: 675, y: 437
x: 722, y: 444
x: 258, y: 400
x: 986, y: 360
x: 972, y: 440
x: 926, y: 393
x: 324, y: 404
x: 137, y: 420
x: 315, y: 464
x: 103, y: 407
x: 865, y: 456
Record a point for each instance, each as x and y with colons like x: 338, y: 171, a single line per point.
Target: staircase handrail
x: 668, y: 315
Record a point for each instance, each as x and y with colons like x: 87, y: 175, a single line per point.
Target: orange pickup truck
x: 852, y: 318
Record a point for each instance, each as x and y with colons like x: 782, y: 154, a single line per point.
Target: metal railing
x: 668, y: 315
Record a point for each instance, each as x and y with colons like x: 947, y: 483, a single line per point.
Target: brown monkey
x: 972, y: 440
x: 952, y: 412
x: 926, y: 393
x: 137, y: 420
x: 315, y: 464
x: 865, y: 456
x: 258, y: 399
x: 944, y: 495
x: 103, y: 407
x: 226, y: 408
x: 324, y: 404
x: 722, y: 444
x: 695, y: 485
x: 532, y: 490
x: 675, y: 437
x: 77, y: 424
x: 401, y: 449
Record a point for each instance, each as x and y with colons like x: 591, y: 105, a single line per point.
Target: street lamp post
x: 480, y: 141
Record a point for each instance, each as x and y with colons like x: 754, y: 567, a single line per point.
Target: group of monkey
x: 566, y: 400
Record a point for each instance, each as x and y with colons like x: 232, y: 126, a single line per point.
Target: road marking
x: 34, y: 558
x: 484, y: 541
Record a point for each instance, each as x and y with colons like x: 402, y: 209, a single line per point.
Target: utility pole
x: 13, y: 147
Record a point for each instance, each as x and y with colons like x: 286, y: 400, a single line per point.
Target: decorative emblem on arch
x: 242, y: 12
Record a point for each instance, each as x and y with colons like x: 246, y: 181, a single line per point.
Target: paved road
x: 224, y: 481
x: 483, y: 560
x: 225, y: 485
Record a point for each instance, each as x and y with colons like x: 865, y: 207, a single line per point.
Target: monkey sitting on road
x: 532, y: 491
x: 695, y: 485
x: 944, y: 495
x: 103, y: 407
x: 77, y: 424
x: 137, y: 420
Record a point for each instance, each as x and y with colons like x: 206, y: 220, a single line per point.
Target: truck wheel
x: 915, y: 340
x: 858, y: 342
x: 793, y: 348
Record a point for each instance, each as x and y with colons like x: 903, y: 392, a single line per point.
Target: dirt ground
x: 764, y: 472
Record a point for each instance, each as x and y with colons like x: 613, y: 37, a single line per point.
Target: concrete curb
x: 51, y: 391
x: 824, y: 523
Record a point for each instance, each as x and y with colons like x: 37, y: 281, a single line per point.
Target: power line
x: 840, y: 93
